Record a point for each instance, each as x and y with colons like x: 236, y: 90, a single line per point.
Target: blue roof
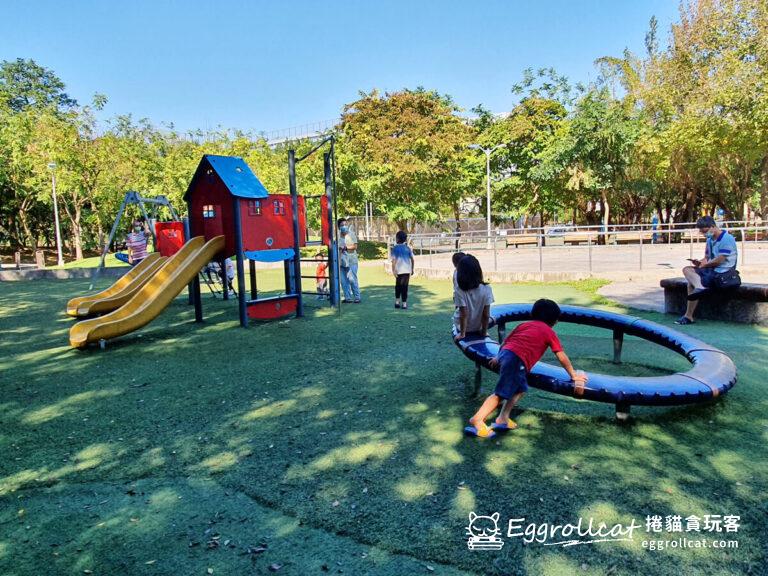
x: 235, y: 173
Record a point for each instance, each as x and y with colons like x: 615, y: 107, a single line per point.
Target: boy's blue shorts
x: 513, y: 377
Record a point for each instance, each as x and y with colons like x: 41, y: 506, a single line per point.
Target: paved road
x: 635, y: 285
x: 619, y: 262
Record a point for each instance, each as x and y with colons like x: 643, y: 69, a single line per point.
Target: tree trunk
x: 457, y: 215
x: 30, y: 239
x: 14, y: 234
x: 606, y: 208
x: 77, y: 233
x: 27, y: 231
x: 690, y: 204
x: 74, y: 219
x: 764, y: 188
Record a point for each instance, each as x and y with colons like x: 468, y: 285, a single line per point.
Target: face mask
x: 137, y: 228
x: 710, y: 235
x: 344, y: 229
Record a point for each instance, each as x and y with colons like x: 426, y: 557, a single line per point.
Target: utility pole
x: 488, y: 152
x: 52, y: 168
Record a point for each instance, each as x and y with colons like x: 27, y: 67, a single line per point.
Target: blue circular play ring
x: 713, y: 372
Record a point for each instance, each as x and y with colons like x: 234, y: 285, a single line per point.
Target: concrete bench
x: 747, y: 304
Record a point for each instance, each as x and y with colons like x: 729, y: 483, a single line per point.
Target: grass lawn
x: 333, y: 444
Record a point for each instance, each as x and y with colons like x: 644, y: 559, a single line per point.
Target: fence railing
x: 381, y: 228
x: 589, y: 240
x: 554, y: 229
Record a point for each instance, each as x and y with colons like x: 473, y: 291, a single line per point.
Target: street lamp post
x: 488, y: 152
x: 52, y: 168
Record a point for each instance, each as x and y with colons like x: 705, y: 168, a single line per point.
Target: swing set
x: 167, y: 236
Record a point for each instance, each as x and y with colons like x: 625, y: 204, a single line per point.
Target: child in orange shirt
x: 320, y: 276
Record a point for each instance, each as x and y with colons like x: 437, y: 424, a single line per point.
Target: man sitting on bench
x: 719, y: 263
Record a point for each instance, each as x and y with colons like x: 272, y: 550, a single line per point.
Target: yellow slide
x: 153, y: 297
x: 120, y: 292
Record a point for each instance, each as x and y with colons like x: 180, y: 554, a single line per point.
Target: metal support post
x: 240, y: 264
x: 296, y: 245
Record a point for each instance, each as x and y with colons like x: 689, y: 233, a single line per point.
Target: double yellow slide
x: 120, y: 292
x: 163, y: 285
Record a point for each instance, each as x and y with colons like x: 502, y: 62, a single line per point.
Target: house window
x: 209, y: 211
x: 279, y: 207
x: 254, y: 207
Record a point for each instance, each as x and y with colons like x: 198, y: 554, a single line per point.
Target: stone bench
x: 747, y: 304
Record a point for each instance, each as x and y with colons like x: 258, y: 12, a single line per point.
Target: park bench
x: 521, y: 240
x: 634, y: 237
x: 747, y: 304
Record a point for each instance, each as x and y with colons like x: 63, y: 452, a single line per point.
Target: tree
x: 707, y: 95
x: 20, y: 177
x: 407, y: 152
x: 536, y: 158
x: 535, y: 177
x: 24, y: 84
x: 604, y: 133
x: 70, y: 141
x: 27, y: 91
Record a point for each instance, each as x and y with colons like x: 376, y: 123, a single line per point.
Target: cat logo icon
x: 484, y: 532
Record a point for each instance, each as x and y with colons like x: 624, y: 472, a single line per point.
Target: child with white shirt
x: 402, y: 268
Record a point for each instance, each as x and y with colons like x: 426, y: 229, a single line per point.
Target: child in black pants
x: 402, y: 268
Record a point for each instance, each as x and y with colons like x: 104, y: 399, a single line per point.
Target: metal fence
x: 588, y: 239
x: 381, y: 228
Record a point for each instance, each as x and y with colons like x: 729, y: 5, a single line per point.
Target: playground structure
x: 712, y: 375
x: 226, y: 198
x: 230, y: 212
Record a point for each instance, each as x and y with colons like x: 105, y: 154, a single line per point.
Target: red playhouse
x: 226, y: 198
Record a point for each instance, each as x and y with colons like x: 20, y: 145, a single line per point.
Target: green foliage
x: 372, y: 250
x: 407, y: 152
x: 24, y: 84
x: 680, y: 130
x: 185, y: 446
x: 531, y: 132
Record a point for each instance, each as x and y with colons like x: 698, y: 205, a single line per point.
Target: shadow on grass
x: 351, y: 425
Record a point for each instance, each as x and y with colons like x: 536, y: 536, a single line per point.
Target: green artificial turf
x: 333, y: 444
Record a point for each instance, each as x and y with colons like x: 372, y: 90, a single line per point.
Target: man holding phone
x: 719, y: 261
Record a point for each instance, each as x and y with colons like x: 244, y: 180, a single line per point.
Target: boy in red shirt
x: 518, y: 354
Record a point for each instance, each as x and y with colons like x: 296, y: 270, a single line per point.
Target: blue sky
x: 265, y: 66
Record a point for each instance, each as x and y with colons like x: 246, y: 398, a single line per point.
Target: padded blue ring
x: 712, y: 375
